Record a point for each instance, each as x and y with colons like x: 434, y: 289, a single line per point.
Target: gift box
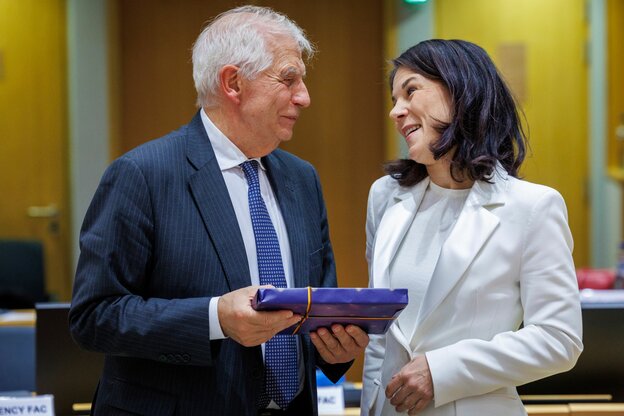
x: 373, y: 310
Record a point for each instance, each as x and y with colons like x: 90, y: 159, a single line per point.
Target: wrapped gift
x: 373, y: 310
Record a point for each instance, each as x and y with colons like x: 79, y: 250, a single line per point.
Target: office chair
x: 17, y: 358
x: 22, y: 280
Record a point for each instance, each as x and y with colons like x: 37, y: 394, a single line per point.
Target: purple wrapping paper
x: 336, y: 306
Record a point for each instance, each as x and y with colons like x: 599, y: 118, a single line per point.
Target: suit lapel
x: 471, y: 231
x: 215, y: 206
x: 284, y: 186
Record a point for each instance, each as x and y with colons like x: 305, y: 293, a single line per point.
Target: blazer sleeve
x: 550, y: 341
x: 108, y: 314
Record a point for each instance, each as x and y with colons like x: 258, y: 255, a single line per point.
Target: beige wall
x: 551, y: 79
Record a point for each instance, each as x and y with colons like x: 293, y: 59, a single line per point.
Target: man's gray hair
x: 239, y: 37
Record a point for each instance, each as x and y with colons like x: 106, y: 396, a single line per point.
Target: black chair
x: 17, y: 359
x: 22, y: 277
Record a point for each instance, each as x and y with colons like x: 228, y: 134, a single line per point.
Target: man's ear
x: 230, y: 83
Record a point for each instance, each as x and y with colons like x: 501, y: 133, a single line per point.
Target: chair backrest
x: 63, y: 369
x: 17, y: 358
x: 22, y: 277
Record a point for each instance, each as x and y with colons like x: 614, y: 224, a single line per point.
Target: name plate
x: 27, y: 406
x: 330, y: 400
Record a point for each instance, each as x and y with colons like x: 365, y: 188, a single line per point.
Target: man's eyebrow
x: 293, y: 71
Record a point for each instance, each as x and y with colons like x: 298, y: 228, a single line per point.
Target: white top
x: 419, y: 250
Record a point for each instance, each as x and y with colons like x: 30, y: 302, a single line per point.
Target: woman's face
x: 420, y: 105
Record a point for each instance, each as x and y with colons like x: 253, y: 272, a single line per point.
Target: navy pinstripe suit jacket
x: 158, y: 241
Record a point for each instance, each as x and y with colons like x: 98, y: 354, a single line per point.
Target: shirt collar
x: 227, y: 153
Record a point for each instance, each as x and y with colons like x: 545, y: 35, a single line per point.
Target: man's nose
x: 301, y: 97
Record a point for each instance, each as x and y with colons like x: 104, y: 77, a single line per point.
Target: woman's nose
x: 398, y: 111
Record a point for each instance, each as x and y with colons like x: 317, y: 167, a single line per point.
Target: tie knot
x: 250, y: 168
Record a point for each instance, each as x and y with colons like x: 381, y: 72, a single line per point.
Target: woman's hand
x: 411, y: 389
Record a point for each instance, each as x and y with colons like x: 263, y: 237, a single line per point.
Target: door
x: 33, y: 132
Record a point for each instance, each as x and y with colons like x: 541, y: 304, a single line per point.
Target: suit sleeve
x: 550, y: 341
x: 108, y: 313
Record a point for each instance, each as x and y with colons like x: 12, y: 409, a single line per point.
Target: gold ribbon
x: 307, y: 315
x: 307, y: 311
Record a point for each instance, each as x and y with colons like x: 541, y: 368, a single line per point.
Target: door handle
x: 46, y: 211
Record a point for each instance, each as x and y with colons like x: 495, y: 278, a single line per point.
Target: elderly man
x: 183, y: 230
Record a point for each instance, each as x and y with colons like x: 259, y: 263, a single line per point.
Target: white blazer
x: 507, y: 260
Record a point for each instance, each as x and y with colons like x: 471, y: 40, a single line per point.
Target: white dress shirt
x: 229, y: 157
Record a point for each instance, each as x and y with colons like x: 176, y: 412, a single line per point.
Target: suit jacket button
x: 186, y: 358
x: 163, y: 358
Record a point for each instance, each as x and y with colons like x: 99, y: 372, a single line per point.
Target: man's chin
x: 286, y: 136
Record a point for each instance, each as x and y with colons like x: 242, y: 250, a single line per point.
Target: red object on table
x: 589, y: 278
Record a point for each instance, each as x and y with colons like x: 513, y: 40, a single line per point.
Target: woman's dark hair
x: 485, y: 127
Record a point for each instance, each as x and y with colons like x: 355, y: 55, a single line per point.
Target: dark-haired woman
x: 480, y: 250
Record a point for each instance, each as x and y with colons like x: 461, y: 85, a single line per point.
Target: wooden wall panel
x: 342, y: 133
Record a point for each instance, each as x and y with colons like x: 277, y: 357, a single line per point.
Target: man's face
x: 270, y: 104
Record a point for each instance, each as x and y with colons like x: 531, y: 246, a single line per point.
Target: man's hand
x: 341, y: 345
x: 247, y: 326
x: 411, y: 389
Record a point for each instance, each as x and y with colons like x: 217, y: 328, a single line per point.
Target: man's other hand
x: 341, y: 344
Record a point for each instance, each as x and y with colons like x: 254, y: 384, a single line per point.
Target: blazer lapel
x: 471, y: 231
x: 391, y: 229
x: 284, y: 186
x: 213, y: 202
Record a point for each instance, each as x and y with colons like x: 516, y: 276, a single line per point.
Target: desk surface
x: 573, y: 409
x: 20, y: 317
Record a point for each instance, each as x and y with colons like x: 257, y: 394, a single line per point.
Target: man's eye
x: 410, y: 90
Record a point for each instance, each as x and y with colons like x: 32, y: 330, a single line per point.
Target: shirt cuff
x: 213, y: 314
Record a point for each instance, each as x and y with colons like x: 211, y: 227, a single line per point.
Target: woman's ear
x: 230, y: 83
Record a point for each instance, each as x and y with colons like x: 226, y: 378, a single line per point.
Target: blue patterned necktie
x: 280, y: 352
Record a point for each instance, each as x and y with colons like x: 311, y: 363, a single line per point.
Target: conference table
x: 602, y: 407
